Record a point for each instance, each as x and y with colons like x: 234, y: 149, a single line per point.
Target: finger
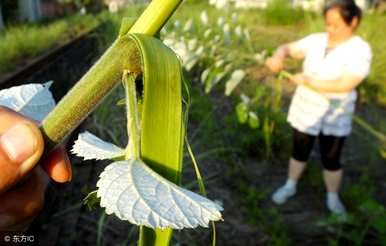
x: 22, y: 203
x: 58, y: 166
x: 21, y: 146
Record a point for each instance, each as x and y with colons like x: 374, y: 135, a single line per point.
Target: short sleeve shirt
x: 330, y: 113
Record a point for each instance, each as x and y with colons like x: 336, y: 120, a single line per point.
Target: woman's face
x: 336, y: 27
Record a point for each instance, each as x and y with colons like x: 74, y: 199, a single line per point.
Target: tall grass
x: 376, y: 86
x: 26, y: 41
x: 280, y: 12
x: 21, y: 42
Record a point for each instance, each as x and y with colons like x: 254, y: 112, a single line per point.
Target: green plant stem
x: 90, y: 90
x: 379, y: 135
x: 103, y: 76
x: 132, y: 117
x: 155, y: 16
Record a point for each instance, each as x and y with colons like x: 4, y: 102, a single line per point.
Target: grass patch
x: 280, y: 12
x: 21, y: 42
x: 269, y: 220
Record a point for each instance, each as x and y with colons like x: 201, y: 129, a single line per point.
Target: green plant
x: 155, y: 125
x: 267, y: 219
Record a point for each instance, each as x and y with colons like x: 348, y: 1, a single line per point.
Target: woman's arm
x: 275, y: 62
x: 289, y: 49
x: 344, y: 84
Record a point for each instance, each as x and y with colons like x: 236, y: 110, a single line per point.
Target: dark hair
x: 347, y: 9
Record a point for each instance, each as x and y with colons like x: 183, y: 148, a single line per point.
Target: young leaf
x: 134, y: 192
x: 204, y: 18
x: 191, y: 61
x: 204, y: 75
x: 236, y: 77
x: 207, y: 33
x: 34, y: 101
x: 214, y: 78
x: 188, y: 26
x: 92, y: 201
x: 91, y: 147
x: 253, y: 120
x: 242, y: 112
x: 244, y: 98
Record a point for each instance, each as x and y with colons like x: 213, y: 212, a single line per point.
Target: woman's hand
x: 275, y: 63
x: 22, y: 185
x: 300, y: 79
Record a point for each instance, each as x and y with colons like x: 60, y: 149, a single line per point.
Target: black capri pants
x: 330, y: 148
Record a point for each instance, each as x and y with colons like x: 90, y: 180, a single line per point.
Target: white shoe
x: 282, y: 194
x: 335, y: 205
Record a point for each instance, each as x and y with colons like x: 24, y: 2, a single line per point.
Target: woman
x: 335, y: 63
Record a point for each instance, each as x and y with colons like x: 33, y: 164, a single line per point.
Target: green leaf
x: 204, y: 75
x: 242, y: 112
x: 92, y: 201
x: 34, y: 101
x: 370, y: 206
x: 253, y: 121
x: 260, y: 91
x: 121, y: 102
x: 134, y: 192
x: 162, y: 132
x: 91, y: 147
x: 380, y: 223
x: 236, y: 77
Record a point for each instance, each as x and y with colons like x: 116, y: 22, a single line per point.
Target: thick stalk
x: 103, y: 76
x: 90, y: 90
x: 155, y: 16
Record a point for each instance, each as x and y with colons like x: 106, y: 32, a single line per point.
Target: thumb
x: 21, y: 147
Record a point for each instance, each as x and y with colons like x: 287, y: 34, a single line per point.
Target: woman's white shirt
x: 330, y: 113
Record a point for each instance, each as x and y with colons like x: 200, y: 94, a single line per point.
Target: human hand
x: 300, y: 79
x: 274, y: 63
x: 22, y: 185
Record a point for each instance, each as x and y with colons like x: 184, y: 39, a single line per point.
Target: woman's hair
x: 347, y: 9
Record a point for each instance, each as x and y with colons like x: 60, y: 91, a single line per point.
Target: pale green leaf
x: 34, y: 101
x: 220, y: 21
x: 244, y: 98
x: 219, y: 63
x: 204, y: 75
x: 134, y: 192
x: 242, y: 112
x: 204, y: 18
x: 236, y: 77
x: 253, y: 120
x: 191, y: 61
x: 192, y: 44
x: 91, y: 147
x: 207, y: 33
x: 188, y: 26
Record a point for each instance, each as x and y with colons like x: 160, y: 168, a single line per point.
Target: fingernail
x: 19, y: 143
